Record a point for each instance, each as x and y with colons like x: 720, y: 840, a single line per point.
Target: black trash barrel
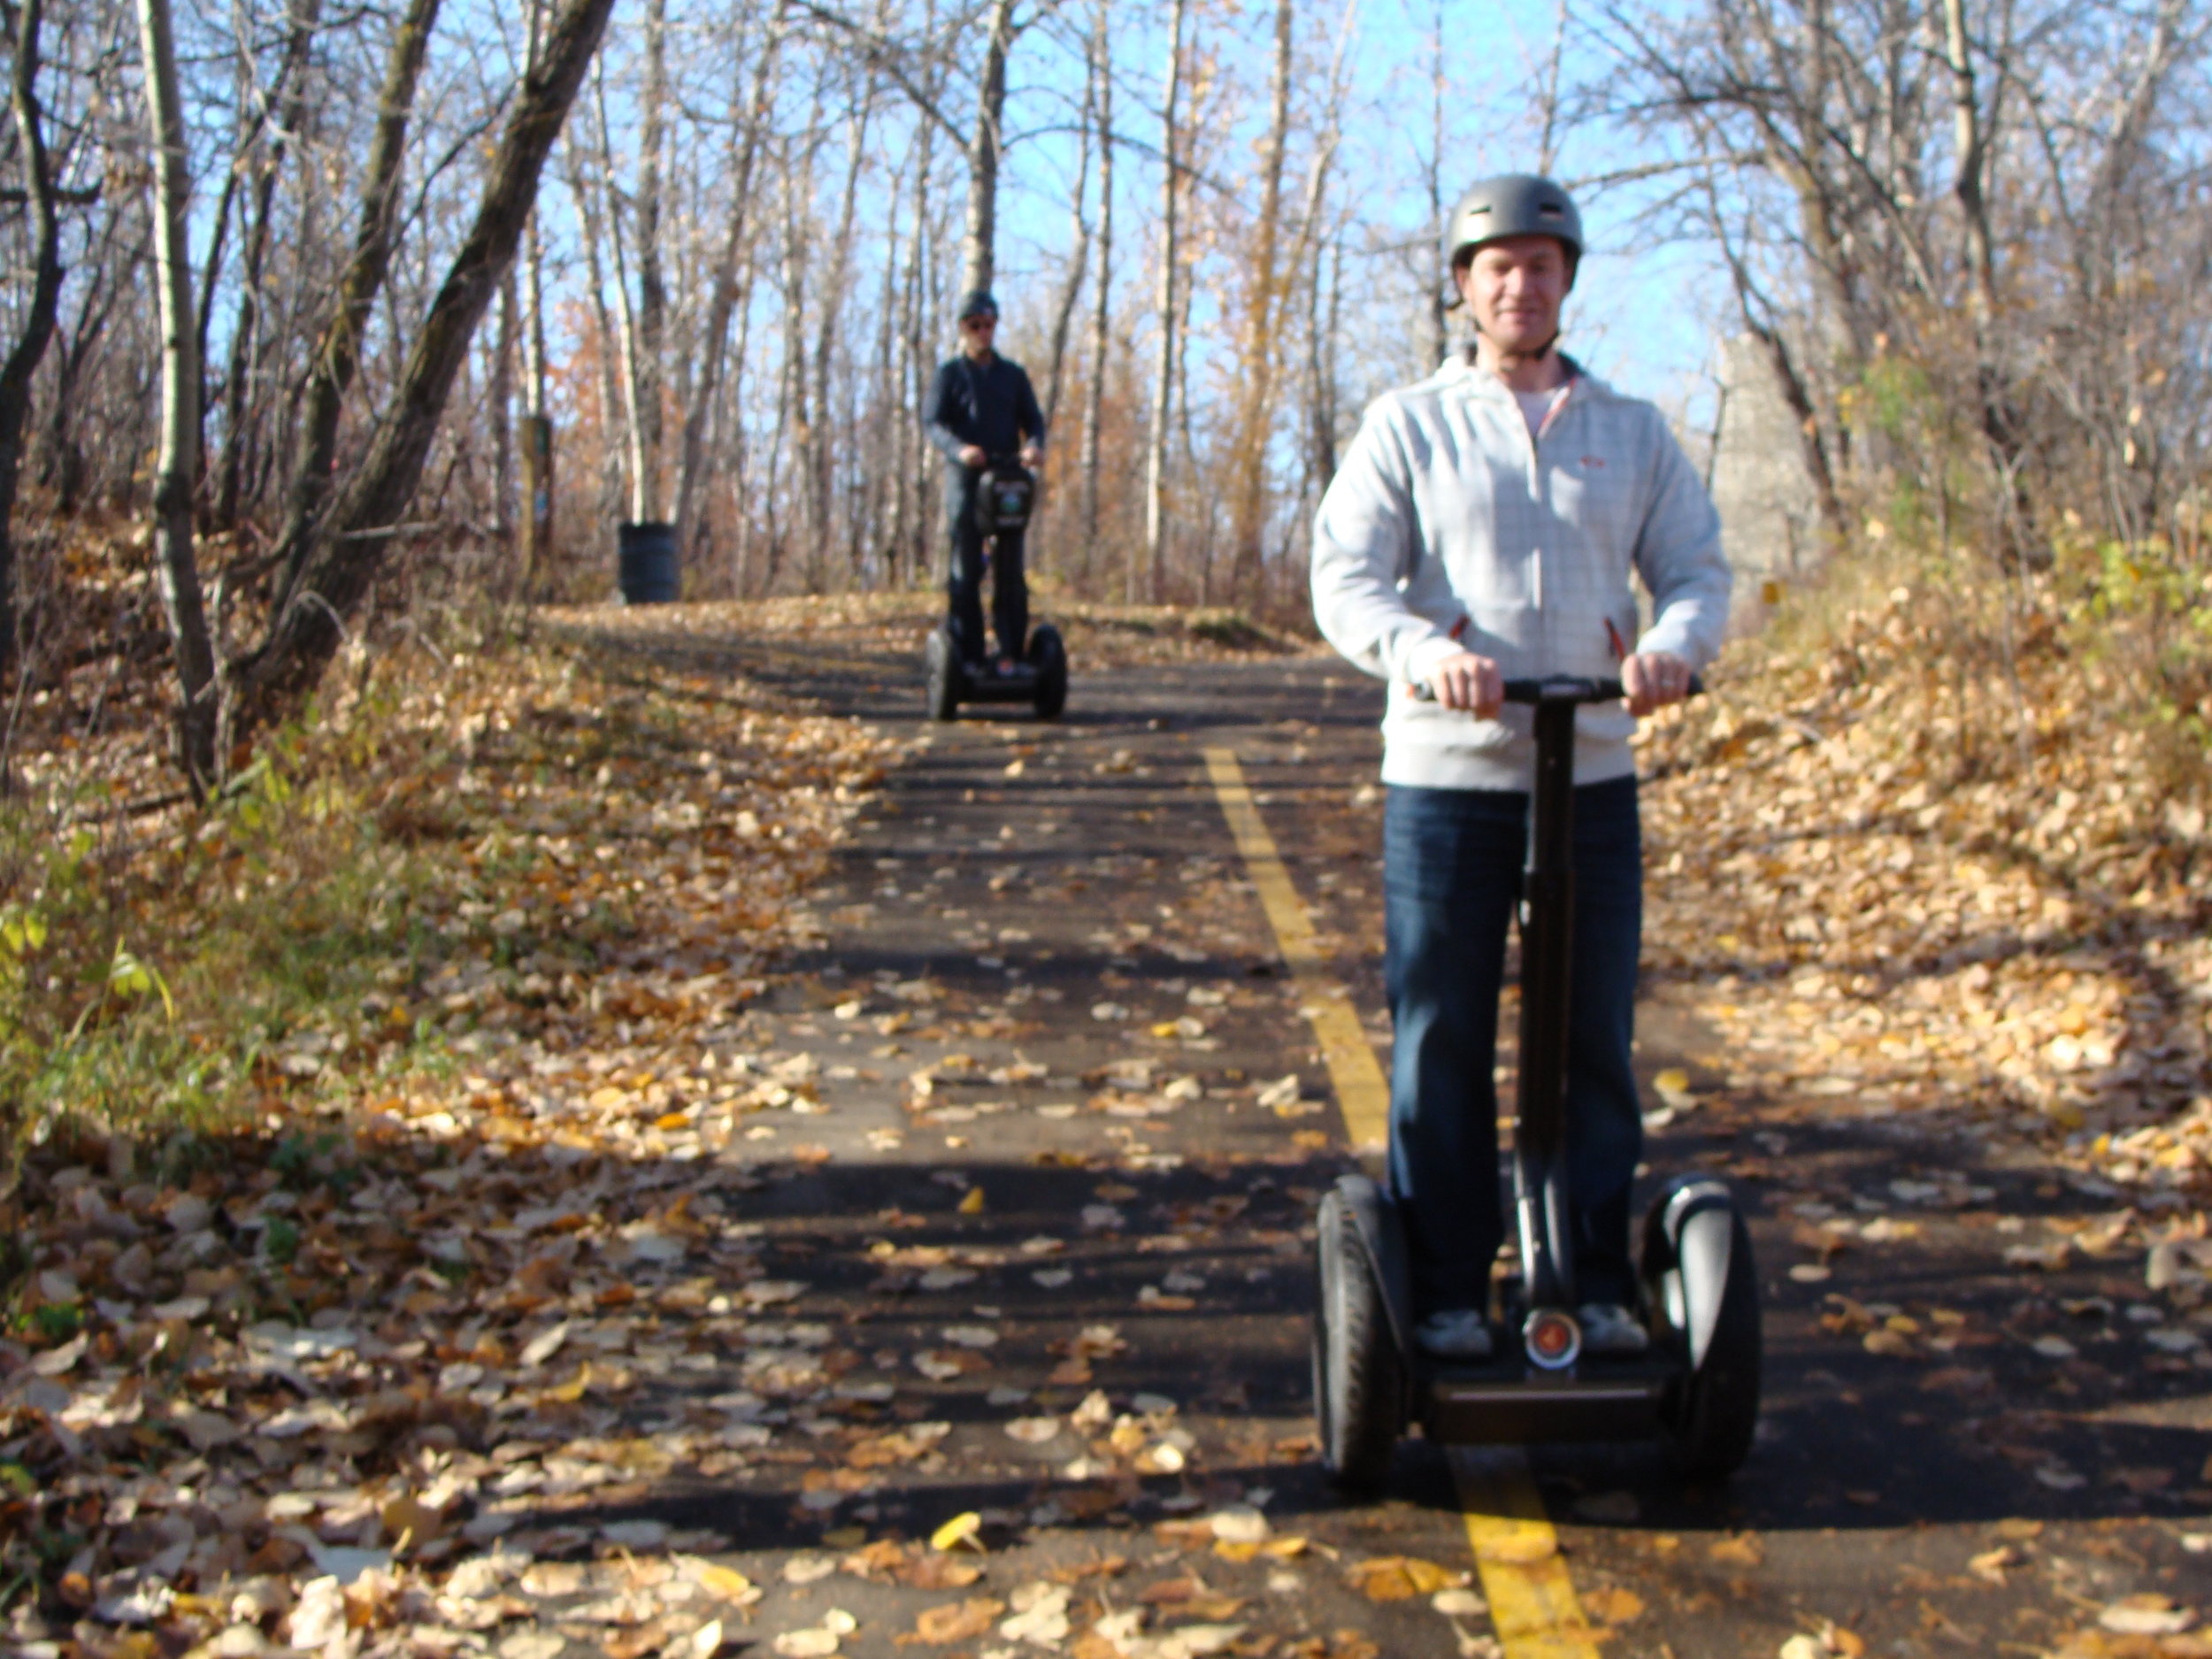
x: 649, y: 564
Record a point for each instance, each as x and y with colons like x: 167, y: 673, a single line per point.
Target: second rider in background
x: 982, y: 410
x: 1485, y: 525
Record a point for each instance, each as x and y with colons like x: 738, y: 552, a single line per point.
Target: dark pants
x: 1452, y: 862
x: 1009, y: 591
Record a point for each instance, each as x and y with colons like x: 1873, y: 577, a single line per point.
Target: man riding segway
x: 1483, y: 527
x: 983, y: 415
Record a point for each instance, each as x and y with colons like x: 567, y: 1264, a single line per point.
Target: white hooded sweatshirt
x: 1450, y: 527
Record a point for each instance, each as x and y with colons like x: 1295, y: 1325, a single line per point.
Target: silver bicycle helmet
x: 1512, y: 204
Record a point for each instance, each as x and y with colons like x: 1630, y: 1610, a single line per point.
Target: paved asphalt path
x: 1107, y: 1187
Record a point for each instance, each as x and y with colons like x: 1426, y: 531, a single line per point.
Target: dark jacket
x: 989, y: 404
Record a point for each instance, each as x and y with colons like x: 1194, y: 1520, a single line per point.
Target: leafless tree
x: 177, y: 467
x: 1151, y: 582
x: 38, y: 315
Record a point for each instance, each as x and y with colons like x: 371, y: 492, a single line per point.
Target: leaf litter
x: 331, y: 1369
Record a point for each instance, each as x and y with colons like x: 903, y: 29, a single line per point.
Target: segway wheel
x: 1716, y: 1412
x: 945, y: 678
x: 1049, y: 658
x: 1356, y: 1382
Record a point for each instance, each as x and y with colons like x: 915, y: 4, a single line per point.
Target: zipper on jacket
x: 1536, y: 496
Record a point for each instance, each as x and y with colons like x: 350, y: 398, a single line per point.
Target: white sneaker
x: 1610, y: 1328
x: 1455, y: 1333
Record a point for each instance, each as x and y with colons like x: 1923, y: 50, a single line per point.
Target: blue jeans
x: 1452, y: 862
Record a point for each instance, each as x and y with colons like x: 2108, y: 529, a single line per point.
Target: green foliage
x: 1898, y: 398
x: 2141, y: 612
x: 54, y: 1545
x: 281, y: 1240
x: 303, y: 1162
x: 149, y: 987
x: 56, y: 1321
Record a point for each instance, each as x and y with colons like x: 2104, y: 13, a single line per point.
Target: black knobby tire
x: 1049, y: 656
x: 1717, y: 1412
x: 1356, y: 1384
x: 944, y: 676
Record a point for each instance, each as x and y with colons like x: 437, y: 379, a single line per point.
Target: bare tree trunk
x: 742, y: 459
x: 217, y: 246
x: 821, y: 478
x: 978, y: 246
x: 1810, y: 443
x: 1321, y: 323
x: 917, y: 457
x: 534, y: 260
x: 1434, y: 332
x: 1971, y: 155
x: 614, y: 426
x: 38, y: 315
x: 349, y: 550
x: 503, y: 416
x: 888, y: 417
x: 772, y: 564
x: 533, y: 325
x: 691, y: 467
x: 1256, y: 418
x: 338, y: 356
x: 1208, y: 501
x: 652, y: 287
x: 1078, y: 257
x: 798, y: 416
x: 177, y: 467
x: 1970, y: 145
x: 1548, y: 147
x: 641, y: 508
x: 1095, y: 393
x: 1163, y: 383
x: 913, y: 450
x: 534, y: 543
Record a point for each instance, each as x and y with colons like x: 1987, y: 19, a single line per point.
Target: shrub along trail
x: 764, y: 1174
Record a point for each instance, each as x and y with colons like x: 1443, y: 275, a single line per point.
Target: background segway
x: 1358, y: 1385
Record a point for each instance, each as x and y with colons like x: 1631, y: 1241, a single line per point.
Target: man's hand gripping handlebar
x: 1470, y: 682
x: 1561, y: 688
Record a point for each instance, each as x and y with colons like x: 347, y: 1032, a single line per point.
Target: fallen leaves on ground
x: 1401, y: 1578
x: 1905, y: 902
x: 380, y: 1334
x: 957, y: 1621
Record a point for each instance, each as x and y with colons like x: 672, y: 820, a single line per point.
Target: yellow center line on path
x: 1358, y: 1079
x: 1517, y: 1550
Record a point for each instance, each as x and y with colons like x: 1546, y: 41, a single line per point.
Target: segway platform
x: 1040, y: 679
x: 1696, y: 1384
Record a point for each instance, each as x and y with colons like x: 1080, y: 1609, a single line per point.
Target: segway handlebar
x: 1558, y: 688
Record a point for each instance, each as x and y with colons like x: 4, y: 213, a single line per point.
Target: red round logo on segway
x: 1553, y: 1338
